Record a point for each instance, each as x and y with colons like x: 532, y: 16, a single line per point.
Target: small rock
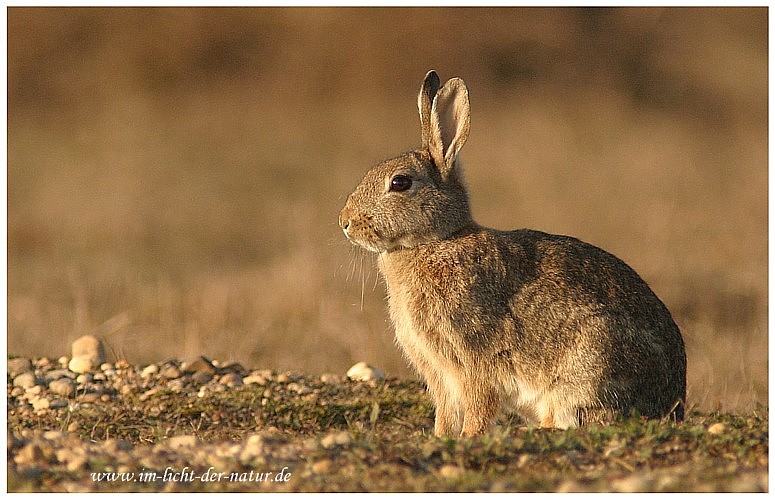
x: 57, y: 403
x: 147, y: 394
x: 330, y: 378
x: 17, y: 366
x: 63, y: 360
x: 40, y: 403
x: 335, y: 439
x: 235, y: 367
x: 198, y: 364
x: 300, y: 389
x: 569, y: 486
x: 34, y: 390
x: 363, y: 372
x: 450, y: 471
x: 81, y: 365
x: 44, y: 363
x: 169, y: 372
x: 25, y: 380
x: 201, y: 377
x: 615, y: 448
x: 232, y: 379
x: 184, y: 441
x: 53, y: 435
x: 62, y: 387
x: 113, y: 446
x: 254, y: 379
x: 89, y: 347
x: 322, y: 466
x: 106, y: 367
x: 122, y: 364
x: 634, y: 483
x: 149, y: 370
x: 73, y: 458
x: 29, y: 454
x: 717, y: 428
x: 254, y: 447
x: 283, y: 378
x: 90, y: 397
x: 60, y: 373
x: 84, y: 378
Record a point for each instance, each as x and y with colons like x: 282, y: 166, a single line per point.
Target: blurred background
x: 175, y: 174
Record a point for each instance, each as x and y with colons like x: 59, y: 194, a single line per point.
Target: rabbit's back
x: 618, y: 336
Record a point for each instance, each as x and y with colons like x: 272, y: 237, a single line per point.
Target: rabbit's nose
x: 344, y: 221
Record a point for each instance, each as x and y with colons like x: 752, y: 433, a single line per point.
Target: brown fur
x: 546, y: 325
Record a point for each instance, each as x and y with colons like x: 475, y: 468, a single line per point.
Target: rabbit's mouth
x: 372, y: 245
x: 375, y: 243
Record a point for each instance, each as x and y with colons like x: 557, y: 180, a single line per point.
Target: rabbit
x: 549, y: 327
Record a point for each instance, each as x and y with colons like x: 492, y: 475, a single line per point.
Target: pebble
x: 113, y: 446
x: 60, y: 373
x: 89, y: 347
x: 34, y: 390
x: 450, y: 471
x: 232, y: 379
x: 40, y: 403
x: 322, y: 466
x: 17, y: 366
x: 63, y: 387
x: 25, y: 380
x: 73, y: 458
x: 43, y: 362
x: 149, y: 371
x: 336, y: 439
x: 169, y: 372
x: 330, y: 378
x: 299, y: 389
x: 254, y: 447
x: 198, y: 364
x: 254, y: 379
x: 717, y: 428
x: 84, y: 378
x: 363, y: 372
x: 201, y: 377
x: 185, y: 440
x: 29, y: 454
x: 81, y: 365
x: 634, y: 483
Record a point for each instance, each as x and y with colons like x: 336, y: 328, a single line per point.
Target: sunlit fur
x: 553, y: 328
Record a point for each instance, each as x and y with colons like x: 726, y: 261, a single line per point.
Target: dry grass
x: 175, y: 175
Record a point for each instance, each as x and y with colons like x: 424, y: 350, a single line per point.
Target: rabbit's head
x: 418, y: 197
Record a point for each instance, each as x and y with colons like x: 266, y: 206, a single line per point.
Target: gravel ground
x: 201, y: 425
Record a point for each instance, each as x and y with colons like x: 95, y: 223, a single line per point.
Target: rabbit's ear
x: 428, y: 91
x: 450, y: 119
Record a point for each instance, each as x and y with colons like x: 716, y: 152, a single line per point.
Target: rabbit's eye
x: 400, y: 183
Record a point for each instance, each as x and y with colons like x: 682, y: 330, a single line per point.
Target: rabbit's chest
x: 423, y: 328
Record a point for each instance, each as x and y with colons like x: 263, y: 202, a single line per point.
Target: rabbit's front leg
x: 449, y: 411
x: 448, y: 418
x: 481, y: 405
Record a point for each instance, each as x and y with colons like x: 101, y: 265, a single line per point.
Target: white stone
x: 364, y: 372
x: 81, y: 365
x: 336, y: 439
x: 89, y: 347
